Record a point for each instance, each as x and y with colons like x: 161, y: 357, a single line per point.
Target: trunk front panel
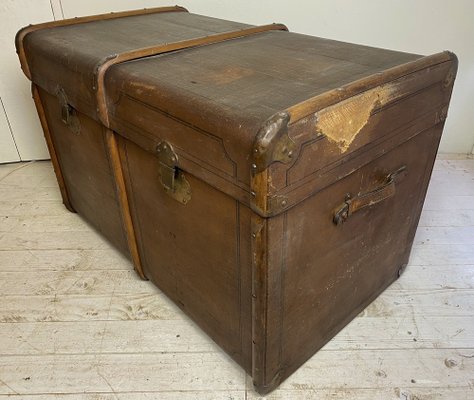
x: 197, y: 253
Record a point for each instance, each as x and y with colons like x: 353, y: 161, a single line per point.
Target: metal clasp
x: 172, y: 178
x: 68, y: 114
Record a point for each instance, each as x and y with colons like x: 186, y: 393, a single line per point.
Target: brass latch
x: 172, y: 178
x: 68, y: 114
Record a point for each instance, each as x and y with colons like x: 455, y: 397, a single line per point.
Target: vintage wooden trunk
x: 270, y: 183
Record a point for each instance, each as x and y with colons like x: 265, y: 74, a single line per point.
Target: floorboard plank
x: 103, y: 282
x: 445, y: 218
x: 161, y: 395
x: 85, y: 282
x: 181, y: 335
x: 115, y: 307
x: 418, y: 369
x: 37, y: 261
x: 441, y: 254
x: 119, y: 372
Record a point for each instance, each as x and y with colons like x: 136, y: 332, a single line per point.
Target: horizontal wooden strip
x: 440, y: 302
x: 18, y: 195
x: 29, y: 207
x: 392, y: 303
x: 454, y: 162
x: 441, y: 254
x: 343, y: 393
x: 67, y: 240
x: 99, y: 337
x: 406, y: 392
x: 19, y: 309
x: 174, y: 336
x: 104, y: 282
x: 17, y: 181
x: 85, y: 282
x: 10, y: 173
x: 428, y: 277
x: 389, y: 368
x: 204, y: 371
x: 14, y: 168
x: 35, y: 261
x: 409, y: 331
x: 453, y: 156
x: 43, y: 224
x: 448, y: 202
x: 112, y: 372
x: 452, y: 183
x: 149, y: 395
x: 447, y: 218
x: 445, y: 235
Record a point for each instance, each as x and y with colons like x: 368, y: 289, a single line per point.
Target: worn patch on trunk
x: 224, y: 75
x: 342, y: 122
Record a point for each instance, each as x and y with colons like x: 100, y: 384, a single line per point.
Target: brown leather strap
x: 81, y: 20
x: 351, y: 205
x: 165, y: 48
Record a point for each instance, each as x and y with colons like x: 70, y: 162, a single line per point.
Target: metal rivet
x: 290, y: 154
x: 255, y: 150
x: 252, y: 193
x: 283, y: 203
x: 254, y: 235
x: 254, y: 166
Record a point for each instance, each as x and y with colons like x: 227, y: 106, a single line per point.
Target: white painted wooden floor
x: 77, y: 323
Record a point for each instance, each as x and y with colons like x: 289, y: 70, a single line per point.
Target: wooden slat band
x: 331, y: 97
x: 119, y: 180
x: 165, y: 48
x: 51, y: 148
x: 80, y: 20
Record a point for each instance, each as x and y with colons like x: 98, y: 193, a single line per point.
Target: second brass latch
x: 172, y: 178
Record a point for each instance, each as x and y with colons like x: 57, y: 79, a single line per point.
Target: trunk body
x: 269, y: 183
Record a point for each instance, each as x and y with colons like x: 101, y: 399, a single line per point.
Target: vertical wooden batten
x: 116, y: 167
x: 51, y: 148
x: 268, y: 263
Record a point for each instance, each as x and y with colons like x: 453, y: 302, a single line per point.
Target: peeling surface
x: 342, y: 122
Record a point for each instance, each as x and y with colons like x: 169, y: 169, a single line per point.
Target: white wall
x: 14, y: 87
x: 8, y: 150
x: 421, y: 26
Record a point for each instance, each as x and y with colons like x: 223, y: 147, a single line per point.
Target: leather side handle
x: 353, y: 204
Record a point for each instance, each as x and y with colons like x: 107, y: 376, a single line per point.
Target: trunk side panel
x: 86, y: 170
